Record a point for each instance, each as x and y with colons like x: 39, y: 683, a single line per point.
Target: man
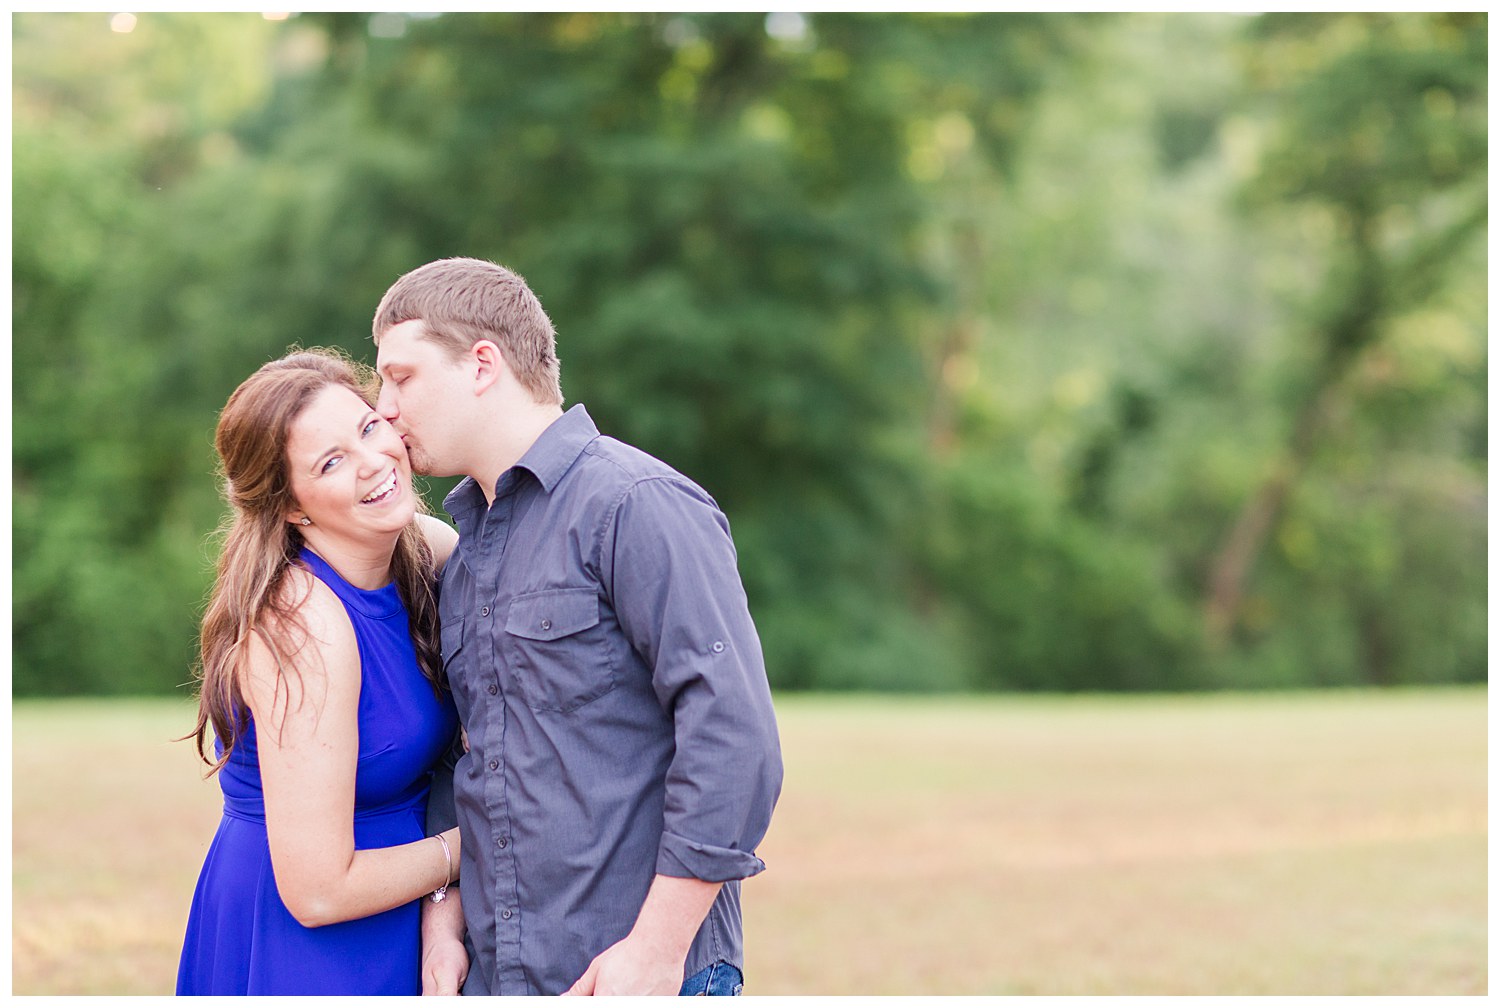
x: 623, y: 758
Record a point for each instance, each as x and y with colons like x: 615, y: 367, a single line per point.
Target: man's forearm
x: 445, y: 919
x: 672, y: 913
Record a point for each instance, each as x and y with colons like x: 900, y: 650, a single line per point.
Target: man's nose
x: 385, y: 402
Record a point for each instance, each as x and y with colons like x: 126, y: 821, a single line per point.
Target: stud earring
x: 307, y: 521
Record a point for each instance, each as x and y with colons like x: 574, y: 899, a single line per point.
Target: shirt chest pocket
x: 557, y: 649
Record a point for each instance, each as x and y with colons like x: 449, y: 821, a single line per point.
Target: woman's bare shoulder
x: 306, y: 632
x: 441, y: 539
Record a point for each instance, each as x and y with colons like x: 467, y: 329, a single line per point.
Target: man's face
x: 424, y: 394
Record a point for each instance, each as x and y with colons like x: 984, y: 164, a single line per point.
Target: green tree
x: 106, y: 567
x: 722, y: 222
x: 959, y: 316
x: 1376, y: 142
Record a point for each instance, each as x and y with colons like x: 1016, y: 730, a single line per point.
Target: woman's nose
x: 371, y: 460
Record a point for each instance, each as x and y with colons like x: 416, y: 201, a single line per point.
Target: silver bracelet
x: 441, y: 892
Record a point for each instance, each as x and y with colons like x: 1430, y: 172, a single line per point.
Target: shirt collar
x: 548, y: 459
x: 554, y: 453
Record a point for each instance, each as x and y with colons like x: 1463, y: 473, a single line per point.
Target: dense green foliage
x: 1023, y: 351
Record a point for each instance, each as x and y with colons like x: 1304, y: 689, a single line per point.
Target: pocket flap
x: 548, y: 615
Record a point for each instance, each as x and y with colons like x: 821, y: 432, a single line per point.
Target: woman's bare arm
x: 308, y: 737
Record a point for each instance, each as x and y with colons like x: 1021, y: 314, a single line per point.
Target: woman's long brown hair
x: 250, y: 594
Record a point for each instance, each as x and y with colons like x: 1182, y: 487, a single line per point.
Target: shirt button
x: 718, y: 647
x: 546, y: 624
x: 505, y: 914
x: 494, y: 764
x: 484, y: 610
x: 493, y: 689
x: 502, y: 843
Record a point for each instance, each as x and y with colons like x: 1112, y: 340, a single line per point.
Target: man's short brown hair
x: 463, y: 301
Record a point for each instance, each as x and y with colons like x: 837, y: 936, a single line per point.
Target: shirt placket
x: 509, y: 973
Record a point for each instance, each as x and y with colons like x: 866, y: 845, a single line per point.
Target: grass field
x: 1318, y: 843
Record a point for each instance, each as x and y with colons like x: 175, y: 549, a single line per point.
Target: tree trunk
x: 1247, y: 537
x: 954, y: 361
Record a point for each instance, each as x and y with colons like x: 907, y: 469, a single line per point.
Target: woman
x: 321, y: 678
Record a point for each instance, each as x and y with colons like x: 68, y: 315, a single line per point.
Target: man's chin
x: 420, y: 464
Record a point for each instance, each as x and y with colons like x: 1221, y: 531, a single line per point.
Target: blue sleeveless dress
x: 241, y: 939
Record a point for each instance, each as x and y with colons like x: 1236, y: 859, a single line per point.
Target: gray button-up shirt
x: 606, y: 669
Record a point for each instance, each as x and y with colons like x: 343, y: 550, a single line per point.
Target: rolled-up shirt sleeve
x: 670, y: 567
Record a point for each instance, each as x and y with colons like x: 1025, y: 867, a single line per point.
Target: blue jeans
x: 720, y: 978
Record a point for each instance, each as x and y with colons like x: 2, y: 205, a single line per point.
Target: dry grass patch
x: 1312, y: 843
x: 1290, y: 844
x: 110, y: 823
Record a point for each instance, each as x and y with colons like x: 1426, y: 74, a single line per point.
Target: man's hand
x: 630, y: 966
x: 650, y: 958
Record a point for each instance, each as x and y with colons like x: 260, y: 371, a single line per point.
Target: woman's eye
x: 330, y: 463
x: 370, y: 426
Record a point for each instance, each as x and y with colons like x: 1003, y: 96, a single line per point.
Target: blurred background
x: 1025, y: 352
x: 1128, y: 368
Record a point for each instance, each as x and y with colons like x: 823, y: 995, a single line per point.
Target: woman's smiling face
x: 348, y: 469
